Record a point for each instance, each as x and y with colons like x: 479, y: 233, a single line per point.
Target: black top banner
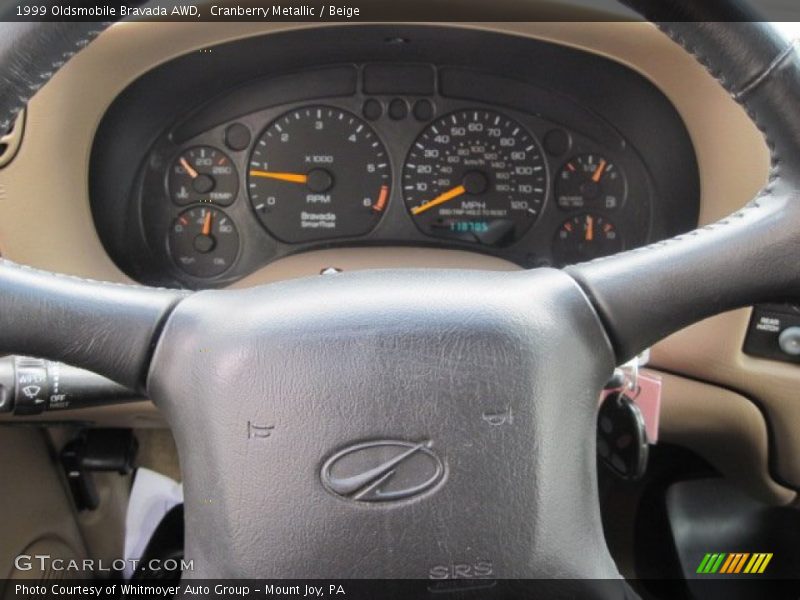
x: 369, y: 10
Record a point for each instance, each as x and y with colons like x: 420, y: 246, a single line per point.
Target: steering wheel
x: 347, y: 425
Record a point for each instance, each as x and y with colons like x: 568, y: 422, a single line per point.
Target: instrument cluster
x: 213, y: 165
x: 379, y: 169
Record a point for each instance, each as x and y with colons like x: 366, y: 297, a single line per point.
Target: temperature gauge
x: 590, y: 181
x: 203, y: 174
x: 585, y: 237
x: 203, y: 241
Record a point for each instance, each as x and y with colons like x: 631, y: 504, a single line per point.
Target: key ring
x: 626, y: 376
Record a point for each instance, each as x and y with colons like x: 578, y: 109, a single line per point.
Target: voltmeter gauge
x: 585, y: 237
x: 203, y: 241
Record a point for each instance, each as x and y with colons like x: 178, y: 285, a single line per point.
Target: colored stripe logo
x: 734, y: 563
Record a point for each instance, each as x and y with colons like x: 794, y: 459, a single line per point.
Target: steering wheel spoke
x: 646, y: 294
x: 106, y: 328
x: 748, y: 257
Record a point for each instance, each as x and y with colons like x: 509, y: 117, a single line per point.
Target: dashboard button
x: 774, y: 333
x: 398, y: 109
x: 372, y: 110
x: 789, y: 341
x: 237, y: 137
x: 557, y: 142
x: 423, y: 110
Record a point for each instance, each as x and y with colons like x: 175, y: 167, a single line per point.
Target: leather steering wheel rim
x: 313, y: 342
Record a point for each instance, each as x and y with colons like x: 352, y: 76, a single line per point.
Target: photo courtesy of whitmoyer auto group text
x: 400, y: 299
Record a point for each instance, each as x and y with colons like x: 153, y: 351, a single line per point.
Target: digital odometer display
x: 477, y: 176
x: 318, y: 172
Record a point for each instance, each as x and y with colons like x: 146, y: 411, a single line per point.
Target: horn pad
x: 391, y: 424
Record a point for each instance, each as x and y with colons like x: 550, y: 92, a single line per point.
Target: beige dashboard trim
x: 309, y: 264
x: 45, y: 219
x: 10, y: 141
x: 711, y: 351
x: 724, y: 428
x: 134, y: 415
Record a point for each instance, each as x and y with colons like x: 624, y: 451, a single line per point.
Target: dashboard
x: 202, y: 174
x: 140, y: 84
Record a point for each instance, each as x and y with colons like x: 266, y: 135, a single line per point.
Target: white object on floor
x: 153, y: 496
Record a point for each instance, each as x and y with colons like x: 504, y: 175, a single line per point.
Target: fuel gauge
x: 585, y: 237
x: 590, y: 181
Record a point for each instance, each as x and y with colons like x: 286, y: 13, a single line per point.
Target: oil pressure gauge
x: 203, y: 241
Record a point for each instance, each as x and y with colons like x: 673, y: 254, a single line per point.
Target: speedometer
x: 475, y: 175
x: 316, y: 173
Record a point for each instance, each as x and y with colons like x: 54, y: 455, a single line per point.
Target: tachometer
x: 475, y: 175
x: 316, y: 173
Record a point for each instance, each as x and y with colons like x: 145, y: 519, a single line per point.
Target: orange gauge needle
x: 598, y: 172
x: 589, y: 228
x: 291, y: 177
x: 383, y: 196
x: 185, y: 164
x: 207, y: 224
x: 440, y: 199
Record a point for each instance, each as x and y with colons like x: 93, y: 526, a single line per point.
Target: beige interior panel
x: 158, y: 453
x: 135, y: 415
x: 357, y: 259
x: 10, y: 141
x: 103, y: 529
x: 711, y: 350
x: 723, y: 427
x: 47, y: 185
x: 34, y: 504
